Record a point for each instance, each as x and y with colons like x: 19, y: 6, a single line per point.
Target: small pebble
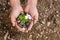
x: 51, y: 31
x: 23, y: 29
x: 57, y: 32
x: 6, y: 35
x: 46, y: 37
x: 46, y: 32
x: 8, y: 3
x: 38, y: 34
x: 48, y: 23
x: 38, y: 27
x: 18, y: 21
x: 57, y: 15
x: 57, y: 11
x: 43, y: 22
x: 9, y: 37
x: 42, y: 32
x: 30, y: 36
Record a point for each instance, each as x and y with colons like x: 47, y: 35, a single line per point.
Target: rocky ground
x: 47, y: 27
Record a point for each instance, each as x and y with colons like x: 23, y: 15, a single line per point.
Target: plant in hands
x: 17, y: 9
x: 24, y: 20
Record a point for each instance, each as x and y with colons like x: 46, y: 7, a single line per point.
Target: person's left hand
x: 14, y: 14
x: 32, y: 10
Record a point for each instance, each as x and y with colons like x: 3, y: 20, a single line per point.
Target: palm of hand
x: 32, y: 10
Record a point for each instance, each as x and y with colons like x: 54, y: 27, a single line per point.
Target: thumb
x: 27, y: 9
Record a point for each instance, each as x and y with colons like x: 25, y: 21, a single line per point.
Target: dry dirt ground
x: 47, y: 27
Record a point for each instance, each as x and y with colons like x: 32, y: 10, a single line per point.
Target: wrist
x: 32, y: 2
x: 17, y: 7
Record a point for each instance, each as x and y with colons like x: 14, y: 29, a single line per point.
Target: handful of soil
x: 24, y: 20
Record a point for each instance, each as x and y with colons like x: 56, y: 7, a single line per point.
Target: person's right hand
x: 13, y: 15
x: 32, y: 10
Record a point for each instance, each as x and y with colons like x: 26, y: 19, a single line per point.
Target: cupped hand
x: 13, y: 15
x: 32, y: 10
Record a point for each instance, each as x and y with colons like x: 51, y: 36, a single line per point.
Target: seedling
x: 24, y: 20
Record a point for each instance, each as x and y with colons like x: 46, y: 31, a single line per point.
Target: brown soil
x: 47, y: 28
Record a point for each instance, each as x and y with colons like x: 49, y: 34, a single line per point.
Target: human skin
x: 32, y: 9
x: 17, y: 9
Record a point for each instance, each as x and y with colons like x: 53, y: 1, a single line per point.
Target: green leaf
x: 22, y: 17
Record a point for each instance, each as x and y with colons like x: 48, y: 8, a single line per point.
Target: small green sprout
x: 22, y: 18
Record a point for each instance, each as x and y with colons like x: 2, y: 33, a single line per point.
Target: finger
x: 29, y: 28
x: 13, y: 20
x: 35, y: 19
x: 18, y: 27
x: 27, y: 9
